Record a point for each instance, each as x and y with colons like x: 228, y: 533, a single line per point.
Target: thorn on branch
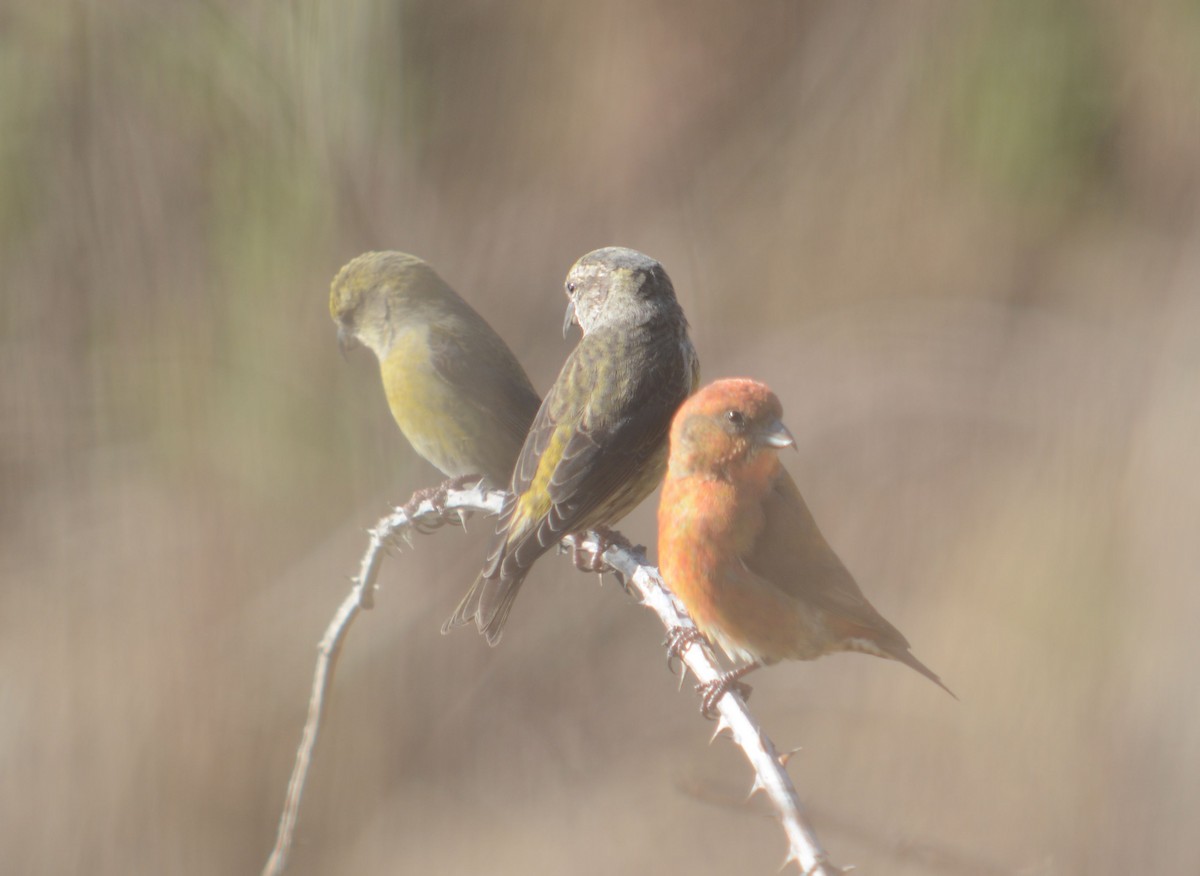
x: 756, y: 786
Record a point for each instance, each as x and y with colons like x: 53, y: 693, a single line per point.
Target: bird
x: 598, y: 444
x: 454, y: 387
x: 738, y: 546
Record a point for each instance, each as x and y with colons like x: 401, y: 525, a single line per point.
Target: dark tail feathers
x: 487, y: 603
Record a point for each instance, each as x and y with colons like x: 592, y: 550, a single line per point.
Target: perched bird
x: 599, y: 442
x: 457, y: 392
x: 740, y: 549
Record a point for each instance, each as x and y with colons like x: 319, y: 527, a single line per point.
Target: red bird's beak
x: 777, y: 435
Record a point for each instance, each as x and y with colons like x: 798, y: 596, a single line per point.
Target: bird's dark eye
x: 736, y: 419
x: 571, y: 287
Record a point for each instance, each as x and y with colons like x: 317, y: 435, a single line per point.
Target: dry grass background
x: 961, y: 240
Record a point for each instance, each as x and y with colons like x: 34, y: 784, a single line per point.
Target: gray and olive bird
x: 598, y: 445
x: 455, y: 389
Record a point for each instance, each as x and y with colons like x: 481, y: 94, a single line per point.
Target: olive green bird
x: 598, y: 445
x: 457, y: 392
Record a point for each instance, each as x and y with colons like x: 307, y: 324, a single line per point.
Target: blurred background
x: 960, y: 240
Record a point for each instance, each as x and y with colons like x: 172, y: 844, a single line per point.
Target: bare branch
x: 770, y: 775
x: 400, y: 523
x: 803, y: 847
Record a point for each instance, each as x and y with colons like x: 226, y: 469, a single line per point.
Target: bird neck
x: 745, y: 467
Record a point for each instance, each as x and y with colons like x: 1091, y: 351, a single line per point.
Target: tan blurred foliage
x: 961, y: 241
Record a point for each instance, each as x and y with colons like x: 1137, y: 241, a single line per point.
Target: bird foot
x: 678, y: 640
x: 436, y: 496
x: 588, y: 560
x: 611, y: 538
x: 712, y: 691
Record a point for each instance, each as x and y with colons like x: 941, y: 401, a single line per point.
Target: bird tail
x: 906, y: 657
x: 898, y: 651
x: 491, y: 597
x: 487, y: 603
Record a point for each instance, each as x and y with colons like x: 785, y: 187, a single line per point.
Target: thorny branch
x: 770, y: 775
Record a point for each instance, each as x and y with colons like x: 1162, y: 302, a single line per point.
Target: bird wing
x: 594, y: 437
x: 792, y: 554
x: 490, y: 379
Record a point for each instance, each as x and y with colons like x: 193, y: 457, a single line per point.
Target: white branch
x: 803, y: 847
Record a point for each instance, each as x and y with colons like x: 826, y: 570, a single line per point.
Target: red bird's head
x: 726, y: 425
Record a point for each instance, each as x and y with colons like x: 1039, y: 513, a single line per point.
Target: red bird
x: 740, y: 549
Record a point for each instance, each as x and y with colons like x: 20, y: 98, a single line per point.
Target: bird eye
x: 571, y: 287
x: 736, y: 419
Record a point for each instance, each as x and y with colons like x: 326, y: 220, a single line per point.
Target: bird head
x: 727, y: 423
x: 616, y: 286
x: 377, y: 293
